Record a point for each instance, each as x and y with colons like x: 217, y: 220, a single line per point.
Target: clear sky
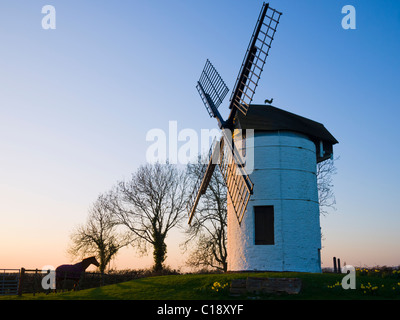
x: 76, y: 104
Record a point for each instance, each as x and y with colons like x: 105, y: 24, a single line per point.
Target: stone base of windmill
x: 265, y: 285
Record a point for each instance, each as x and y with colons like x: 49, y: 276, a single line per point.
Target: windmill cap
x: 269, y: 118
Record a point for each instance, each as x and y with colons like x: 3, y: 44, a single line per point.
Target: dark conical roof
x: 269, y: 118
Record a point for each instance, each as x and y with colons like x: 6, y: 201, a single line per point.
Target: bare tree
x: 98, y: 236
x: 325, y: 172
x: 150, y: 205
x: 206, y: 237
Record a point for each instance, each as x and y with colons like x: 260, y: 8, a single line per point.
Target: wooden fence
x: 30, y: 281
x: 22, y: 281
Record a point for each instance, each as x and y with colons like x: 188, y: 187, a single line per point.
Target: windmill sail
x: 254, y: 60
x: 212, y: 90
x: 236, y: 179
x: 205, y: 174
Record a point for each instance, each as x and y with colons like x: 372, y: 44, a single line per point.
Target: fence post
x: 34, y: 283
x: 339, y: 269
x: 334, y: 265
x: 21, y: 281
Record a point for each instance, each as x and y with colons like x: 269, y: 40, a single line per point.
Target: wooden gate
x: 9, y: 281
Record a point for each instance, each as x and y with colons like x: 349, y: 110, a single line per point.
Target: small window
x: 264, y: 225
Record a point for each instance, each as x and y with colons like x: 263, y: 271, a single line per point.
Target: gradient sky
x: 76, y: 104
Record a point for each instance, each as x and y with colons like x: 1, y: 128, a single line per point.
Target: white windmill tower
x: 273, y: 210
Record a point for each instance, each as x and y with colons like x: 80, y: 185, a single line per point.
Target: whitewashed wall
x: 284, y: 176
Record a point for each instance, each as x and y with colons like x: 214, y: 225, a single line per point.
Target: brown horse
x: 74, y: 271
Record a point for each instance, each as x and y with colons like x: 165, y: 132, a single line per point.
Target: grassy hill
x: 200, y: 287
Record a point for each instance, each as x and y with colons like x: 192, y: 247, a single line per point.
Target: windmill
x: 283, y: 143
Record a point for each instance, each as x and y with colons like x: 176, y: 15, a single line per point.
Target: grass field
x: 200, y: 287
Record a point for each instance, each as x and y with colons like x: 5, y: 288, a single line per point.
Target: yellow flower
x: 217, y: 286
